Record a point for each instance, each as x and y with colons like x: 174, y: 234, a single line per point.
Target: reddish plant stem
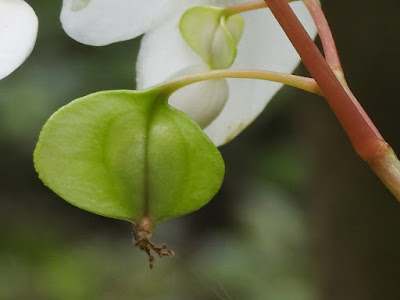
x: 327, y: 40
x: 366, y: 139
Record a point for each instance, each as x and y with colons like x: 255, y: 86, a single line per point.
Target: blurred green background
x: 299, y: 216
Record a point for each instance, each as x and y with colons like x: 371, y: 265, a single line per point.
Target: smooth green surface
x: 212, y: 35
x: 127, y: 154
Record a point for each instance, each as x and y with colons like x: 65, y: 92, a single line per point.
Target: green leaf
x: 126, y: 155
x: 212, y: 35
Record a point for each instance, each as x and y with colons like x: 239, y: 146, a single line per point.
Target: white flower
x: 164, y: 55
x: 102, y: 22
x: 18, y: 31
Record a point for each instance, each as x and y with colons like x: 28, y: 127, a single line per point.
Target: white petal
x: 18, y: 31
x: 202, y: 101
x: 163, y: 51
x: 264, y: 46
x: 164, y: 55
x: 102, y: 22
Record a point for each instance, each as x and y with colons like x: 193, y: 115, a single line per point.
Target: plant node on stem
x: 387, y: 167
x: 141, y: 238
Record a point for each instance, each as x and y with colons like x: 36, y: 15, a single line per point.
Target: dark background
x: 299, y: 216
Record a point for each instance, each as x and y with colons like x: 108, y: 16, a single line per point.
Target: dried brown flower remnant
x: 141, y: 239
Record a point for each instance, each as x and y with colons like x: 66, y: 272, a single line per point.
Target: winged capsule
x: 129, y: 155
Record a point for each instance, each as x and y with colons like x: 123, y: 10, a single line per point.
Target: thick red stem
x: 366, y: 139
